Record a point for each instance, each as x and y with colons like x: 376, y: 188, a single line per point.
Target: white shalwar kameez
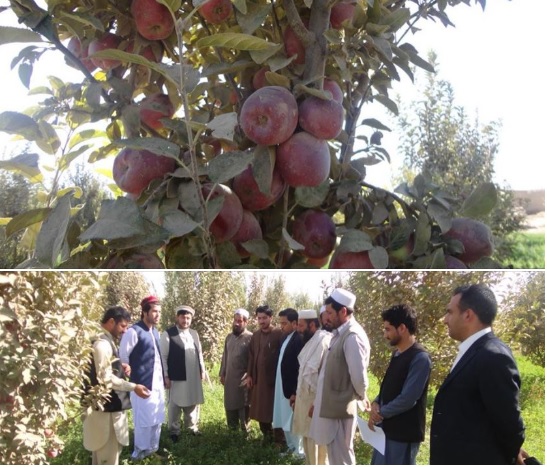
x: 148, y: 414
x: 283, y: 413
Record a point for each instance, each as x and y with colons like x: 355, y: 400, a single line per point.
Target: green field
x: 218, y: 445
x: 528, y: 251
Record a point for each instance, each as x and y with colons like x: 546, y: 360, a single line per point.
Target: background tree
x: 429, y: 293
x: 256, y: 291
x: 523, y: 322
x: 215, y: 296
x: 277, y: 296
x: 126, y: 289
x: 172, y: 101
x: 43, y: 336
x: 457, y: 152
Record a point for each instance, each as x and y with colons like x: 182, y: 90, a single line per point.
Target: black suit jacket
x: 290, y: 365
x: 476, y: 415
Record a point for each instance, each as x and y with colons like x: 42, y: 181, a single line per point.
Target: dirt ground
x: 536, y: 223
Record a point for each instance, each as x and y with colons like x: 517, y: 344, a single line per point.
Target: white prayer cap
x: 344, y: 297
x: 322, y: 309
x: 307, y: 314
x: 242, y: 312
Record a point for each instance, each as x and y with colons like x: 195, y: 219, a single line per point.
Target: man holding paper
x: 400, y: 407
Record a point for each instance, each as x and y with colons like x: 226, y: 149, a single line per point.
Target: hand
x: 222, y: 380
x: 310, y: 412
x: 249, y: 382
x: 142, y: 391
x: 126, y: 369
x: 167, y: 383
x: 292, y: 401
x: 375, y: 416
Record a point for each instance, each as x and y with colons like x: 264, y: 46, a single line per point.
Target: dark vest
x: 141, y: 358
x: 409, y: 426
x: 117, y: 400
x: 176, y: 360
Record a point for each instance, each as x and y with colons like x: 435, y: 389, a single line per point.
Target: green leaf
x: 481, y: 201
x: 422, y: 236
x: 355, y: 241
x: 257, y: 247
x: 311, y: 197
x: 237, y: 41
x: 49, y: 141
x: 227, y: 165
x: 254, y: 17
x: 291, y: 242
x: 26, y: 165
x: 263, y: 165
x: 441, y: 214
x: 378, y: 257
x: 178, y: 223
x: 51, y: 248
x: 173, y: 5
x: 66, y: 160
x: 396, y: 19
x: 415, y: 58
x: 158, y: 146
x: 82, y: 18
x: 23, y: 220
x: 372, y: 122
x: 25, y: 73
x: 388, y: 103
x: 9, y: 35
x: 16, y: 123
x: 224, y: 126
x: 84, y: 136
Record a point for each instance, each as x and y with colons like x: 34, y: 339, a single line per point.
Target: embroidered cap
x: 242, y: 312
x: 307, y: 314
x: 150, y: 300
x: 344, y: 297
x: 184, y: 309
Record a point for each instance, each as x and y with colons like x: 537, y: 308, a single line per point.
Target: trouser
x: 294, y: 442
x: 340, y: 450
x: 396, y: 453
x: 191, y: 418
x: 275, y: 435
x: 238, y: 417
x: 147, y: 440
x: 109, y: 454
x: 315, y: 454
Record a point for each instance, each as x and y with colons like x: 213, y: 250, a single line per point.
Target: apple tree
x: 238, y: 133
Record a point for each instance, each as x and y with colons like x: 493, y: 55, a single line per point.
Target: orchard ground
x: 219, y: 445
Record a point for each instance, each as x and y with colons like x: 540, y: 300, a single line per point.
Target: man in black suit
x: 476, y: 415
x: 286, y: 379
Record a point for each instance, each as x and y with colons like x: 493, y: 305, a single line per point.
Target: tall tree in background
x: 126, y: 289
x: 214, y: 296
x: 277, y: 296
x: 428, y: 292
x: 439, y: 138
x: 256, y: 292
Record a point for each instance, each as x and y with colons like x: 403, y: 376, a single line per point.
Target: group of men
x: 305, y: 382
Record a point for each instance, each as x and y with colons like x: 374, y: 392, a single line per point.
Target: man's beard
x: 306, y: 336
x: 236, y: 331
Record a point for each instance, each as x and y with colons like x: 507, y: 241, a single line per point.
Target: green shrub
x: 527, y: 251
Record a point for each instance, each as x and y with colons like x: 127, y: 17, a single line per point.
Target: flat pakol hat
x: 307, y: 314
x: 150, y: 300
x: 344, y: 297
x: 184, y: 309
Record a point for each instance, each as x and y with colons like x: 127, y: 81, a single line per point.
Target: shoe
x: 174, y: 438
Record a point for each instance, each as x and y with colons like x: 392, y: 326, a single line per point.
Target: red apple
x: 134, y: 260
x: 228, y: 220
x: 475, y: 237
x: 248, y: 230
x: 247, y: 190
x: 454, y: 263
x: 269, y: 115
x: 293, y: 46
x: 303, y: 160
x: 52, y: 452
x: 216, y: 11
x: 155, y: 107
x: 332, y: 86
x: 318, y: 262
x: 350, y: 260
x: 81, y: 52
x: 340, y: 13
x: 152, y: 19
x: 106, y: 42
x: 48, y: 432
x: 134, y: 169
x: 259, y: 78
x: 152, y: 51
x: 321, y: 118
x: 316, y: 231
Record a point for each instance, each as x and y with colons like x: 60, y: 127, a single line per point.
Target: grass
x: 219, y: 445
x: 528, y: 251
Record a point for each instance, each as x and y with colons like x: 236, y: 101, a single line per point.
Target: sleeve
x: 417, y: 378
x: 127, y: 344
x: 102, y: 356
x: 164, y: 351
x: 222, y: 371
x: 250, y: 364
x: 310, y: 375
x: 357, y: 352
x: 500, y: 386
x: 200, y: 352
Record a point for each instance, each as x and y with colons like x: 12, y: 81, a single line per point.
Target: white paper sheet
x: 377, y: 438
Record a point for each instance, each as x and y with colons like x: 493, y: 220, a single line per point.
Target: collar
x: 467, y: 343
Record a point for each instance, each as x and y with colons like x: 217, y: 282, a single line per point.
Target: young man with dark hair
x: 287, y: 378
x: 263, y: 355
x: 400, y: 407
x: 105, y: 428
x: 184, y: 371
x: 140, y: 348
x: 476, y: 415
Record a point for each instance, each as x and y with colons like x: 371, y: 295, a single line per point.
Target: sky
x: 493, y: 59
